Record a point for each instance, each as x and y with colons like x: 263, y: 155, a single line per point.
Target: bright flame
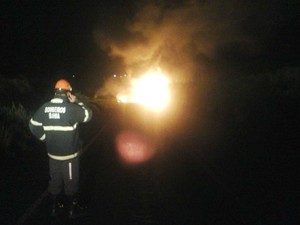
x: 151, y: 90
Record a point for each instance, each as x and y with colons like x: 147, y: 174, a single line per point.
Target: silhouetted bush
x: 16, y: 89
x: 14, y: 132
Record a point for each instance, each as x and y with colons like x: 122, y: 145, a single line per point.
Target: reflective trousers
x: 64, y: 176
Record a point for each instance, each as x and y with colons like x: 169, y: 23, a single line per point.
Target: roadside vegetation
x: 14, y: 116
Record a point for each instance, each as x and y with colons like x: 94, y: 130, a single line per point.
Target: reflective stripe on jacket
x: 56, y: 122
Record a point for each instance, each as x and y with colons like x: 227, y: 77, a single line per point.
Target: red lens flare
x: 134, y: 147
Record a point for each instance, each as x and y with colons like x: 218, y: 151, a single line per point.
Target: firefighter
x: 56, y: 123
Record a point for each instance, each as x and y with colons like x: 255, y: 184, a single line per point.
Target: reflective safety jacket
x: 56, y: 122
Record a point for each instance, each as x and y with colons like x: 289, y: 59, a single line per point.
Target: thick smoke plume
x: 193, y: 38
x: 181, y: 40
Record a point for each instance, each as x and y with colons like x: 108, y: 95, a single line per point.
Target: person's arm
x: 87, y: 112
x: 36, y: 126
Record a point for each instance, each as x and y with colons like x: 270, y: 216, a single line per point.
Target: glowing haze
x: 182, y: 40
x: 197, y: 39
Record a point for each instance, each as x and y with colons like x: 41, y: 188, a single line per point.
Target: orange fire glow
x: 151, y: 90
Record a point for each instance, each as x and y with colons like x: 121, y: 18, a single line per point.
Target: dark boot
x: 57, y: 206
x: 75, y: 209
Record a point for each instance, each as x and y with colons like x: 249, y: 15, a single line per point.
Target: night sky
x: 95, y: 38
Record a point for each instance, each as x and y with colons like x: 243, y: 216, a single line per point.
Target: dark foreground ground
x: 206, y: 173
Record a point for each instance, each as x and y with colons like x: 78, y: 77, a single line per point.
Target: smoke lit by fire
x: 185, y: 40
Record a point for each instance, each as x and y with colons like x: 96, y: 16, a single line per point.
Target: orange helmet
x: 63, y: 85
